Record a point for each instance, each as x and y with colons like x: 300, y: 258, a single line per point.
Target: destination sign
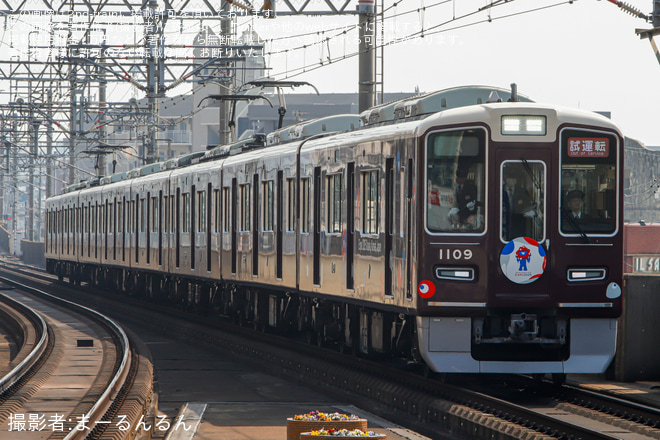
x: 588, y: 147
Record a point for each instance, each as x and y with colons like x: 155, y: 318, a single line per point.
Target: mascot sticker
x: 523, y: 260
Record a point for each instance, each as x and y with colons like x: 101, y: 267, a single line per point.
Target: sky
x: 582, y: 54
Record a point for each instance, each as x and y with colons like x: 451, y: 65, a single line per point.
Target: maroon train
x: 454, y: 229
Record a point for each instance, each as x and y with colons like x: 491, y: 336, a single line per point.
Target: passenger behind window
x: 464, y: 213
x: 518, y: 207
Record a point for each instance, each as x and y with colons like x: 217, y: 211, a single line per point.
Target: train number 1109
x: 455, y: 254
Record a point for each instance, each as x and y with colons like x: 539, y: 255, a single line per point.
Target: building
x: 642, y: 248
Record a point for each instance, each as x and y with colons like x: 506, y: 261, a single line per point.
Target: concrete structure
x: 642, y: 181
x: 637, y: 356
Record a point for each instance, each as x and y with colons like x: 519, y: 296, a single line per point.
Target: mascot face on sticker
x: 523, y: 260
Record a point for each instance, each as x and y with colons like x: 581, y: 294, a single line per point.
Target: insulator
x: 631, y: 10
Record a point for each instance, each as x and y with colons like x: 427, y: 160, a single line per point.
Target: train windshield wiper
x: 575, y: 225
x: 529, y: 171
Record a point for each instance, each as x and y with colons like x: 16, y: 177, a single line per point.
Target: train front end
x: 520, y: 240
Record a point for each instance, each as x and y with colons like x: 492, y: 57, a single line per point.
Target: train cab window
x: 370, y: 201
x: 456, y: 181
x: 334, y: 202
x: 523, y: 200
x: 588, y: 181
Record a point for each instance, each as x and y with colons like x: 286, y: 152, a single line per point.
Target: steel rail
x: 612, y: 405
x: 41, y: 328
x: 328, y: 368
x: 105, y: 400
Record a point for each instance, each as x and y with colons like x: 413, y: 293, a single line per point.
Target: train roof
x: 256, y: 141
x: 306, y: 129
x: 434, y: 102
x: 458, y: 104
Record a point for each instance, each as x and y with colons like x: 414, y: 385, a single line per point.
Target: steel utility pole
x: 654, y: 18
x: 32, y: 163
x: 225, y: 132
x: 366, y: 58
x: 650, y: 33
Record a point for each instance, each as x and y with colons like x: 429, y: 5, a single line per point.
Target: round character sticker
x: 426, y: 289
x: 523, y: 260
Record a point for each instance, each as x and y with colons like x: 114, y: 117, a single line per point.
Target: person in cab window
x: 518, y: 207
x: 465, y: 198
x: 575, y: 203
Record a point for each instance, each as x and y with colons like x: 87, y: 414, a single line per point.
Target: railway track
x: 76, y: 376
x: 510, y: 410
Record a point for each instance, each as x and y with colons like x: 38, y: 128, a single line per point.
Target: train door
x: 234, y: 225
x: 521, y: 238
x: 160, y: 227
x: 317, y: 227
x: 410, y: 182
x: 192, y: 230
x: 389, y: 223
x: 280, y: 223
x: 211, y: 194
x: 255, y: 225
x: 350, y: 225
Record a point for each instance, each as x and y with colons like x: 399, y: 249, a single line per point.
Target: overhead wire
x: 307, y: 69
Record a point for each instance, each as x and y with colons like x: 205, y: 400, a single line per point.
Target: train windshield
x: 455, y: 181
x: 523, y: 200
x: 588, y: 182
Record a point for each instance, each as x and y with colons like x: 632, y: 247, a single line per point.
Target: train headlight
x: 587, y: 274
x: 523, y: 125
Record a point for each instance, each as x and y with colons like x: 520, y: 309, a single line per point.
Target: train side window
x: 370, y: 201
x: 201, y: 211
x: 173, y: 213
x: 154, y: 214
x: 185, y: 202
x: 291, y: 205
x: 244, y: 220
x: 131, y: 216
x: 111, y: 217
x: 120, y: 216
x: 305, y: 205
x: 143, y: 216
x: 456, y: 181
x: 166, y: 214
x: 217, y: 215
x: 268, y: 205
x: 85, y: 228
x: 334, y: 202
x: 226, y: 220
